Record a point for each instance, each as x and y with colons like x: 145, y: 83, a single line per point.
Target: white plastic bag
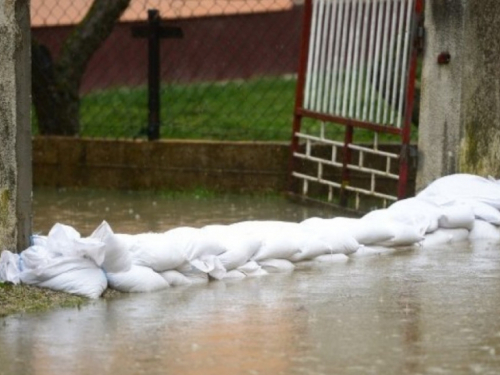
x: 9, y: 267
x: 64, y: 240
x: 456, y: 216
x: 240, y: 246
x: 363, y: 232
x: 445, y: 236
x: 137, y: 279
x: 158, y: 252
x: 70, y: 274
x: 462, y: 186
x: 209, y: 264
x: 175, y: 278
x: 276, y: 238
x: 483, y: 230
x: 403, y: 234
x: 251, y: 269
x: 117, y: 257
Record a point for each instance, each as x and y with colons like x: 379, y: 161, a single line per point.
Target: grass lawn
x: 260, y: 109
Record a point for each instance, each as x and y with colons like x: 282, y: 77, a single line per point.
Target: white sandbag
x: 364, y: 232
x: 422, y: 214
x: 196, y: 242
x: 66, y: 241
x: 197, y: 277
x: 483, y: 211
x: 403, y: 234
x: 309, y: 246
x: 158, y: 252
x: 75, y: 275
x: 175, y: 278
x: 330, y: 232
x: 456, y: 216
x: 483, y: 230
x: 9, y: 267
x: 276, y: 265
x: 38, y: 240
x: 137, y: 279
x: 463, y: 186
x: 251, y: 269
x: 209, y: 264
x: 332, y: 258
x: 117, y: 257
x: 234, y: 275
x: 240, y: 247
x: 276, y: 237
x: 445, y: 236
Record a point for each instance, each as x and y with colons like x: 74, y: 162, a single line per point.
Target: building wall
x: 213, y: 49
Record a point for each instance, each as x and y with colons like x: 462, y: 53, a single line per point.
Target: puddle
x: 413, y: 312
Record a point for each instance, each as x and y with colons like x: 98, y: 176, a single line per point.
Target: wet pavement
x: 410, y: 312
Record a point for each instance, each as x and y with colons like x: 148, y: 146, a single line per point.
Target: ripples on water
x: 136, y: 212
x: 414, y: 312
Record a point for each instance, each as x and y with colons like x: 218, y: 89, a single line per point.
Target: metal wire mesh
x: 231, y: 77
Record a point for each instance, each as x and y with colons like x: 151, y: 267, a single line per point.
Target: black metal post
x: 154, y: 75
x: 154, y: 31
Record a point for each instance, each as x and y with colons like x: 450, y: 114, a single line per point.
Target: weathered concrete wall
x: 480, y: 144
x: 176, y: 165
x: 15, y: 129
x: 460, y: 106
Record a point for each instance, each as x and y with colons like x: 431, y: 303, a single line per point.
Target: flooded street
x: 411, y: 312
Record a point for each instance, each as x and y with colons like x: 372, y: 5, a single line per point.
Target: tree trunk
x: 55, y: 86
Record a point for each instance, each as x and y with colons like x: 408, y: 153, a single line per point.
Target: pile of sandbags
x: 454, y: 208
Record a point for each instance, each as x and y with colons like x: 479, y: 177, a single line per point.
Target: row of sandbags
x: 453, y: 208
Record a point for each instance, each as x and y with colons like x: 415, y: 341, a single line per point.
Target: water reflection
x: 136, y: 212
x: 412, y: 312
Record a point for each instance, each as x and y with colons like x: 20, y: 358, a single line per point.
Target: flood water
x: 411, y: 312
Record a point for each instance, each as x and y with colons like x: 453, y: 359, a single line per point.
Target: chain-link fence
x: 230, y: 77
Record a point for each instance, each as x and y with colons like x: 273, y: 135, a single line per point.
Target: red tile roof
x: 68, y: 12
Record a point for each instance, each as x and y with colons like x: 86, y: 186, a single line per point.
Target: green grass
x: 259, y: 109
x: 24, y: 298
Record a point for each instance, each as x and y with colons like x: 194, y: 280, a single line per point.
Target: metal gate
x: 356, y: 76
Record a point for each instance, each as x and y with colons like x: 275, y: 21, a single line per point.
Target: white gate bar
x: 390, y: 70
x: 400, y: 41
x: 376, y: 63
x: 362, y: 64
x: 350, y: 47
x: 324, y: 29
x: 356, y: 74
x: 385, y: 37
x: 406, y: 52
x: 369, y: 72
x: 310, y: 76
x: 345, y: 29
x: 336, y: 58
x: 332, y: 8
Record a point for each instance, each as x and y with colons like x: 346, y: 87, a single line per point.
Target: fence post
x: 459, y: 129
x: 15, y: 129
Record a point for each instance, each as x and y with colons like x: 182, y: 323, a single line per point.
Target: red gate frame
x: 350, y: 124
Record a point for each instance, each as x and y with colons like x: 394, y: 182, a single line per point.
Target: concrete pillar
x: 15, y: 129
x: 460, y: 105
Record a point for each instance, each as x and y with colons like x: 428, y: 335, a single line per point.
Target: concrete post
x: 15, y: 129
x: 460, y: 105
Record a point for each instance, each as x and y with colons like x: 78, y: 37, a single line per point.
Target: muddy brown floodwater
x: 410, y: 312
